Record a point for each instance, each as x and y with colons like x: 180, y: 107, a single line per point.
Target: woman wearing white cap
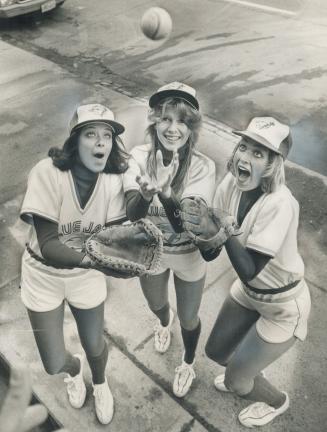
x: 163, y: 174
x: 71, y: 194
x: 269, y: 304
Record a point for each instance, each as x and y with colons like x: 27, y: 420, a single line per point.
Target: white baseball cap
x: 175, y: 89
x: 270, y: 133
x: 85, y: 114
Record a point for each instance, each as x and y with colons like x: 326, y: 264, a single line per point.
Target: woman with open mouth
x: 268, y: 306
x: 163, y: 174
x: 70, y: 195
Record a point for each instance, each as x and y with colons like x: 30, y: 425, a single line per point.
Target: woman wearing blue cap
x: 71, y: 194
x: 268, y: 306
x: 163, y: 174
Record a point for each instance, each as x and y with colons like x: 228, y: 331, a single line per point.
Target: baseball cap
x: 175, y: 89
x: 270, y: 133
x: 85, y: 114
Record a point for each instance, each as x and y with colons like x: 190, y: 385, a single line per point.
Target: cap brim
x: 257, y: 138
x: 117, y: 127
x: 157, y: 97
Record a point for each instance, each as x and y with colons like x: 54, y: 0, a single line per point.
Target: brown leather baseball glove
x: 130, y: 250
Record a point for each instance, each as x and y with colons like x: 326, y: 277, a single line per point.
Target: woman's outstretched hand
x: 164, y: 177
x: 148, y: 187
x: 16, y: 415
x: 166, y: 174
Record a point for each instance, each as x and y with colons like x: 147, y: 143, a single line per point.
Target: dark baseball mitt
x: 207, y: 227
x: 130, y: 250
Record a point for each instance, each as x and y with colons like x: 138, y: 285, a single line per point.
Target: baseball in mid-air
x: 156, y: 23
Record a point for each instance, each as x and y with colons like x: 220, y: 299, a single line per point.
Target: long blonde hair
x: 192, y: 118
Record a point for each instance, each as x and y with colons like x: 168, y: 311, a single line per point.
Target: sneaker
x: 260, y: 413
x: 104, y: 402
x: 219, y: 382
x: 76, y: 387
x: 184, y: 376
x: 162, y: 334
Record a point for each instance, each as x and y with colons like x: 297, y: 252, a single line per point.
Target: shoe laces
x: 184, y: 370
x: 73, y: 383
x: 161, y: 331
x: 101, y: 391
x: 259, y: 409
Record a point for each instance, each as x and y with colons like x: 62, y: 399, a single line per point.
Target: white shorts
x: 189, y: 267
x: 279, y: 320
x: 43, y: 291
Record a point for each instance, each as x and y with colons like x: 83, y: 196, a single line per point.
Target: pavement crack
x: 163, y: 384
x: 87, y: 68
x: 9, y: 281
x: 141, y: 345
x: 187, y: 427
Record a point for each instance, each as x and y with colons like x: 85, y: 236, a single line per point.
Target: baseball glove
x: 130, y: 250
x: 207, y: 227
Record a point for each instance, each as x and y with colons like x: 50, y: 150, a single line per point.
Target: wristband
x: 219, y: 239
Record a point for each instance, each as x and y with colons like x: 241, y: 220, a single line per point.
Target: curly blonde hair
x: 192, y: 118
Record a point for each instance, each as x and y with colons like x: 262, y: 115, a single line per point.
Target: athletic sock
x: 72, y: 365
x: 98, y: 365
x: 190, y: 339
x: 263, y: 391
x: 163, y: 314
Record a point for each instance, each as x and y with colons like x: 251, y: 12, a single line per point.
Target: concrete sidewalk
x: 37, y: 98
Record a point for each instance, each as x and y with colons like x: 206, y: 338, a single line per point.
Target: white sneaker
x: 162, y: 335
x: 219, y: 382
x: 76, y: 387
x: 184, y: 376
x: 104, y: 402
x: 259, y: 413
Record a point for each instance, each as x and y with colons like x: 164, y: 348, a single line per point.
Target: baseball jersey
x: 200, y: 182
x: 51, y: 194
x: 270, y: 227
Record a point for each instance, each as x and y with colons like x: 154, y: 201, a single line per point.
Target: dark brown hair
x: 64, y: 158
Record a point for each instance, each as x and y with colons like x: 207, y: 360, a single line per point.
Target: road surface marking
x: 261, y: 7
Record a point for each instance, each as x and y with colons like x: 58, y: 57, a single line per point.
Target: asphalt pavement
x: 242, y: 56
x: 37, y: 98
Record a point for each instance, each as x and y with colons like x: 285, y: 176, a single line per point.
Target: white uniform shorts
x: 280, y: 320
x: 44, y: 291
x: 189, y: 267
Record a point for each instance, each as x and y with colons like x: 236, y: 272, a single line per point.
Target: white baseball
x: 156, y: 23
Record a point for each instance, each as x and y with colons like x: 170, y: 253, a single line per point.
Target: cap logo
x: 98, y: 110
x: 270, y: 133
x: 262, y: 124
x: 178, y: 90
x: 92, y: 113
x: 178, y: 86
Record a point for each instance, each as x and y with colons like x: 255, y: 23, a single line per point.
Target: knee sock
x: 72, y: 365
x: 163, y: 314
x: 190, y: 339
x: 98, y: 365
x: 263, y: 391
